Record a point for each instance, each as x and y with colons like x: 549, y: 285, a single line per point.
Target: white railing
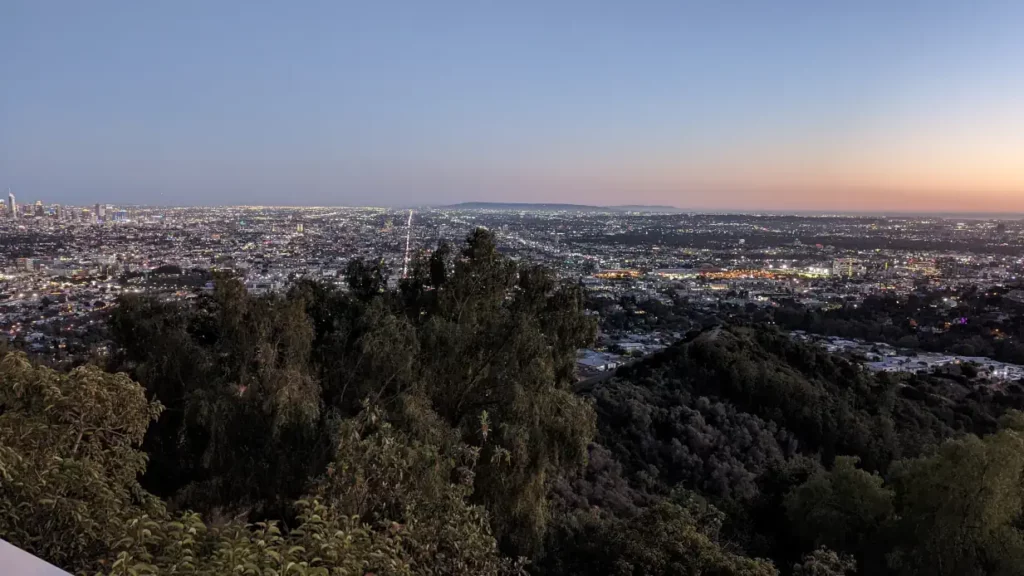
x: 16, y: 562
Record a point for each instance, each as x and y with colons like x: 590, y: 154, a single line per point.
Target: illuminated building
x: 847, y: 267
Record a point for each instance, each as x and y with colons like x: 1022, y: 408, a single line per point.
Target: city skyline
x: 789, y: 107
x: 54, y: 209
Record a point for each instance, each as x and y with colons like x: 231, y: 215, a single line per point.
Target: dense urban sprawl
x: 650, y: 275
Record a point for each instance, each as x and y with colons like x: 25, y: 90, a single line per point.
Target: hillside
x: 741, y: 417
x: 829, y: 405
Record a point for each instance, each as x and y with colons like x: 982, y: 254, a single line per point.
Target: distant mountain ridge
x: 556, y: 207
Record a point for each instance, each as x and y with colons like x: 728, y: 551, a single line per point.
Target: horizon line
x: 803, y: 212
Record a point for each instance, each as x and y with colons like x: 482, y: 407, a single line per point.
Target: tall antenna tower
x: 408, y: 235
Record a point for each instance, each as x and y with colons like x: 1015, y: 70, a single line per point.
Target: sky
x: 915, y: 105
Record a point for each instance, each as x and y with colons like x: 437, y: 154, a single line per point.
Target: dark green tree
x: 960, y: 509
x: 254, y: 383
x: 667, y: 539
x: 69, y: 462
x: 825, y: 562
x: 843, y: 509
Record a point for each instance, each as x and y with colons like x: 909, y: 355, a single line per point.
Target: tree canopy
x: 816, y: 463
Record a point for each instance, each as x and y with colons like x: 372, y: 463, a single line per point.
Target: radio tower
x: 408, y: 234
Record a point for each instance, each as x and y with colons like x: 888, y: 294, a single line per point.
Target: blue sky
x: 703, y: 104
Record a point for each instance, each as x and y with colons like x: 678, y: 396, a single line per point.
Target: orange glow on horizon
x: 939, y: 179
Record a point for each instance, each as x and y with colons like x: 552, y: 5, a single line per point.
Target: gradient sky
x: 889, y: 105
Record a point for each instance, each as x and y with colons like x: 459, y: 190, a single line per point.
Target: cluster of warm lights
x: 617, y: 274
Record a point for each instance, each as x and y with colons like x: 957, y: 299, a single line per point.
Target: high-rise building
x: 12, y: 205
x: 847, y: 267
x: 100, y: 212
x: 58, y: 212
x: 39, y: 209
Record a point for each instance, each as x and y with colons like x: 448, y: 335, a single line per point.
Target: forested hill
x: 792, y: 445
x: 827, y: 404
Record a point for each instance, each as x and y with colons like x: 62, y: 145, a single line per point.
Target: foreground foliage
x: 68, y: 493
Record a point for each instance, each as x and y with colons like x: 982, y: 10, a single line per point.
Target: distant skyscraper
x: 100, y: 212
x: 12, y: 205
x: 39, y: 209
x: 58, y: 212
